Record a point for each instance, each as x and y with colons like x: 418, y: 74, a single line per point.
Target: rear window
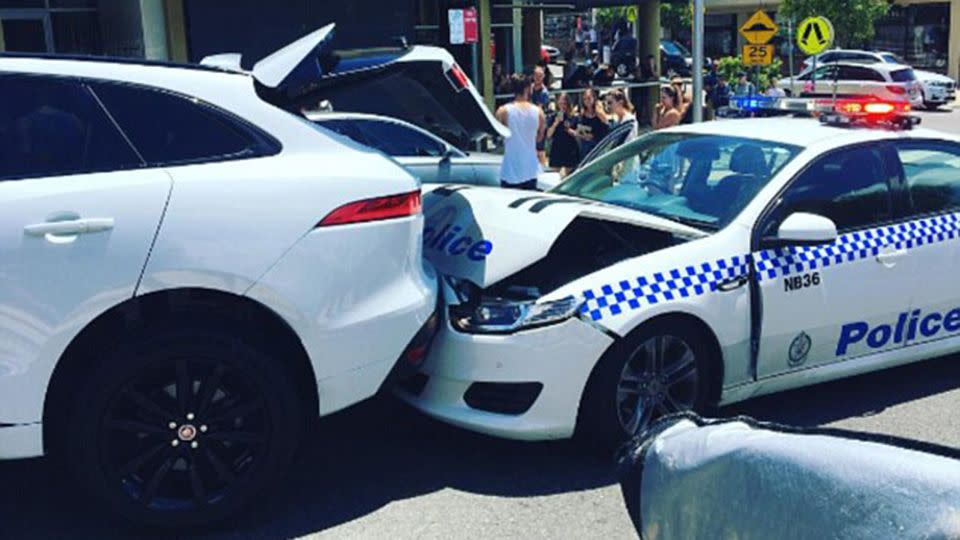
x: 170, y: 129
x: 672, y: 48
x: 857, y: 73
x: 903, y: 75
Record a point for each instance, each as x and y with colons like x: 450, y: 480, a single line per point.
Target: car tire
x: 624, y: 378
x: 622, y: 70
x: 165, y: 458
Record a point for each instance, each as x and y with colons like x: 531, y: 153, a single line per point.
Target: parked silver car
x: 426, y: 156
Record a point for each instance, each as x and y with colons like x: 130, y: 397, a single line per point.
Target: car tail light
x: 880, y: 108
x: 871, y: 106
x: 458, y: 77
x: 897, y: 89
x: 376, y: 209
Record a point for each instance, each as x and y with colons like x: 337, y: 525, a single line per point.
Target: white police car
x: 188, y: 275
x: 700, y: 265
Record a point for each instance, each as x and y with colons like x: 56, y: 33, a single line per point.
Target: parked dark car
x: 675, y: 58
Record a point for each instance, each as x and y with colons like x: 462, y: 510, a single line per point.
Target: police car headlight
x: 497, y: 316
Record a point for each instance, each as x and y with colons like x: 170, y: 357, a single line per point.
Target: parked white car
x: 887, y: 82
x: 937, y: 89
x: 189, y: 276
x: 696, y: 266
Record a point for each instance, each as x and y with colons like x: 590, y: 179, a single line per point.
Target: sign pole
x: 697, y: 61
x: 790, y: 48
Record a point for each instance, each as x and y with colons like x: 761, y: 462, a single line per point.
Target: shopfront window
x: 720, y: 35
x: 918, y: 33
x: 61, y: 26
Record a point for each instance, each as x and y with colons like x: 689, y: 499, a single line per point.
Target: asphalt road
x: 381, y: 470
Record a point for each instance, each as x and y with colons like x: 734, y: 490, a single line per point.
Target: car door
x: 425, y: 157
x: 931, y: 173
x: 840, y: 300
x: 78, y: 213
x: 817, y: 83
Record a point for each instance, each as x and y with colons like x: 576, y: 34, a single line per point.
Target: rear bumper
x: 356, y: 295
x: 21, y: 441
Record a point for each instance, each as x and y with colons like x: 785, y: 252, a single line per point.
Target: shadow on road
x: 865, y: 395
x: 381, y: 451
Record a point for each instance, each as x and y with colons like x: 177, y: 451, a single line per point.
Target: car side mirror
x: 804, y: 229
x: 448, y: 154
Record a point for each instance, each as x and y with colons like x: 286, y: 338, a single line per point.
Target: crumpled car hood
x: 485, y: 235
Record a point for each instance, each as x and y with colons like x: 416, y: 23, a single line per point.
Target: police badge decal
x: 799, y: 348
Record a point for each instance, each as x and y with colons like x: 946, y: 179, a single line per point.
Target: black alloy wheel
x: 184, y: 428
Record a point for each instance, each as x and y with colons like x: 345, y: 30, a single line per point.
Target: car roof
x: 879, y: 66
x: 203, y: 81
x: 803, y: 132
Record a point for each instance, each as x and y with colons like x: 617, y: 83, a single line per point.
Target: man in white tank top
x: 527, y: 126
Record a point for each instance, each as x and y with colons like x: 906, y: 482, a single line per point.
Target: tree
x: 606, y: 17
x: 676, y: 16
x: 853, y: 20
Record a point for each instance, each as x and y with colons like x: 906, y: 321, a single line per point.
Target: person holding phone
x: 594, y: 124
x: 564, y: 150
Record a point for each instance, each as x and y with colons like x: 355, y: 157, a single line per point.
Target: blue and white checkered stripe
x: 614, y: 299
x: 775, y: 263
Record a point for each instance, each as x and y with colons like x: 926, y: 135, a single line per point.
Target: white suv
x: 937, y: 89
x: 189, y: 274
x: 888, y: 82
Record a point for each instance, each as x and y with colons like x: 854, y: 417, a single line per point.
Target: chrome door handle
x: 70, y: 227
x: 889, y: 258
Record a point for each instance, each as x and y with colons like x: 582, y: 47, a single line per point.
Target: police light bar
x: 868, y: 107
x: 760, y: 103
x: 836, y: 112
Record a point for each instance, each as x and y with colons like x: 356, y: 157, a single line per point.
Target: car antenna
x: 402, y: 40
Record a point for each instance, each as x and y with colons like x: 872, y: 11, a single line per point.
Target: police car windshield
x: 699, y: 180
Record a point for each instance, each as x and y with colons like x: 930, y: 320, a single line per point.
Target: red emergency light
x: 869, y: 111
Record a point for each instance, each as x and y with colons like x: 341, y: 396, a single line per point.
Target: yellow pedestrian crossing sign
x: 759, y: 28
x: 814, y: 35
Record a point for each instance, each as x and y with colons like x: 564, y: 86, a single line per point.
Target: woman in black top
x: 593, y: 125
x: 564, y: 150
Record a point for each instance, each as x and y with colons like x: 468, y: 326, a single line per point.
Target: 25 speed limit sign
x: 757, y: 55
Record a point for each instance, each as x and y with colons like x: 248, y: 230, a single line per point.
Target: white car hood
x: 487, y: 234
x: 929, y: 76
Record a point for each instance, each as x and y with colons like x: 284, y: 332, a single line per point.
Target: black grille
x: 503, y: 398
